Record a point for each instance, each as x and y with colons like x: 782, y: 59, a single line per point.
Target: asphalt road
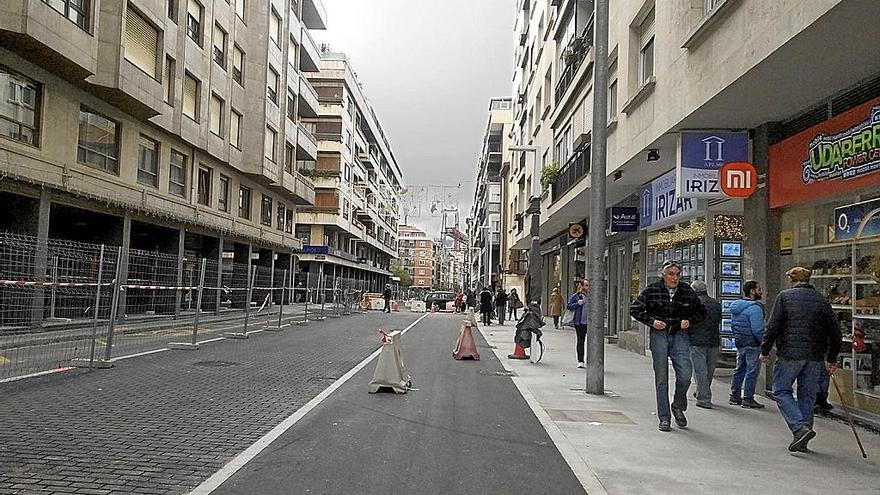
x: 465, y: 429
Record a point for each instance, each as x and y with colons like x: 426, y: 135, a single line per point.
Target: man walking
x: 669, y: 308
x: 486, y: 305
x: 747, y: 321
x: 387, y: 296
x: 806, y: 332
x: 705, y: 345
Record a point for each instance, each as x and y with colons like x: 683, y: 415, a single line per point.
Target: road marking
x: 242, y: 459
x: 34, y: 375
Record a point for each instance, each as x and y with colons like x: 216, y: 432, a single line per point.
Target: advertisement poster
x: 847, y: 220
x: 659, y: 203
x: 840, y: 154
x: 701, y: 156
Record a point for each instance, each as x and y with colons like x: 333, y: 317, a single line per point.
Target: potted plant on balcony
x: 549, y: 173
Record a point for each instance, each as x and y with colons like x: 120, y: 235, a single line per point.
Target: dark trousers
x: 581, y: 331
x: 556, y: 321
x: 487, y: 317
x: 387, y: 305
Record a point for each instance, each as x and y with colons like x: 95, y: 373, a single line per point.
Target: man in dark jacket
x: 806, y: 332
x: 387, y: 296
x: 501, y: 305
x: 705, y: 344
x: 670, y: 308
x: 747, y: 322
x: 471, y: 300
x: 486, y: 305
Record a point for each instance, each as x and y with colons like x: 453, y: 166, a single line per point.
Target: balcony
x: 575, y: 53
x: 309, y: 56
x: 303, y: 189
x: 326, y: 202
x: 308, y: 99
x: 314, y: 15
x: 306, y: 144
x: 370, y: 158
x: 575, y: 169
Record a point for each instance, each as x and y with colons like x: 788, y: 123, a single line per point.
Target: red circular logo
x: 739, y: 179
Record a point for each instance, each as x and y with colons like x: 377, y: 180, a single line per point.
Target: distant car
x: 438, y: 297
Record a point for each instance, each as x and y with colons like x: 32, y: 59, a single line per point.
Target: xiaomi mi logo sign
x: 739, y: 179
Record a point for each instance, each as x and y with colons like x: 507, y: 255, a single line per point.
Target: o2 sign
x: 739, y: 179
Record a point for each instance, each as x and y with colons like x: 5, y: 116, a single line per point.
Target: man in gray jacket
x: 705, y: 345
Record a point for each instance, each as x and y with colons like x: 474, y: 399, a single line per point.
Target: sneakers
x: 664, y: 425
x: 751, y: 404
x: 735, y: 401
x: 580, y: 364
x: 801, y: 438
x: 704, y: 405
x: 680, y: 419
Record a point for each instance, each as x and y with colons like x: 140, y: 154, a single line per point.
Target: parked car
x: 440, y: 297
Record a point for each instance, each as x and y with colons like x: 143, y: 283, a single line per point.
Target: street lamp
x: 489, y: 262
x: 533, y: 276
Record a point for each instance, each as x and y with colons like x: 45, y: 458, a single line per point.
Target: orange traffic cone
x: 518, y: 353
x: 395, y: 308
x: 433, y: 307
x: 465, y: 347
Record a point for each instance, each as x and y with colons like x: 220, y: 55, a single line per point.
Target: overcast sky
x: 428, y: 68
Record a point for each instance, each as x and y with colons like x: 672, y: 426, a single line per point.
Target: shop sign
x: 701, y: 156
x: 576, y: 230
x: 624, y: 219
x: 659, y: 203
x: 739, y: 179
x: 786, y: 242
x: 311, y: 249
x: 848, y: 219
x: 840, y: 154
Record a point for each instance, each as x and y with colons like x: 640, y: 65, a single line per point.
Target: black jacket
x: 501, y: 298
x: 654, y: 303
x: 707, y: 332
x: 485, y: 301
x: 803, y: 326
x: 471, y: 298
x: 387, y: 294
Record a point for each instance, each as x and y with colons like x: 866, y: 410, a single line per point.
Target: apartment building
x: 721, y: 80
x: 417, y: 256
x: 484, y: 222
x: 169, y: 125
x: 351, y: 229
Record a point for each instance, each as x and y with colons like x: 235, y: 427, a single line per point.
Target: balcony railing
x: 575, y: 53
x: 576, y: 168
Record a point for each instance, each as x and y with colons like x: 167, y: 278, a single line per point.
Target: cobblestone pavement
x: 163, y: 423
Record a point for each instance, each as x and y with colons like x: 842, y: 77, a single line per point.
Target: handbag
x: 568, y: 318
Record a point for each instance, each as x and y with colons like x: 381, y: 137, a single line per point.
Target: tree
x: 405, y: 278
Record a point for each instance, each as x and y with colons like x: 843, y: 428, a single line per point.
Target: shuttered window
x: 646, y: 48
x: 272, y: 86
x: 215, y: 114
x: 235, y: 128
x: 177, y: 174
x: 219, y: 46
x: 275, y: 28
x: 194, y: 21
x: 141, y: 42
x: 270, y: 143
x: 239, y: 9
x: 237, y: 64
x: 168, y: 81
x: 191, y: 97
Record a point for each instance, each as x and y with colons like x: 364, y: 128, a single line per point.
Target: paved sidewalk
x: 165, y: 422
x: 724, y: 450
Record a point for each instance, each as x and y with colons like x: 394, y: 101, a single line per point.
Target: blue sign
x: 311, y: 249
x: 702, y: 156
x: 660, y: 205
x: 624, y: 219
x: 847, y: 220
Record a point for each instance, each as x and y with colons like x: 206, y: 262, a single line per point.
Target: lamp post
x: 489, y: 254
x: 533, y: 276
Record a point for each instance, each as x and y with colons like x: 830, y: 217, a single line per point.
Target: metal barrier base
x: 233, y: 335
x: 85, y: 363
x: 276, y: 328
x: 183, y: 346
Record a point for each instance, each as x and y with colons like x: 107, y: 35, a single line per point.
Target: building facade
x: 484, y: 222
x: 167, y: 125
x: 724, y: 77
x: 352, y: 229
x: 417, y: 256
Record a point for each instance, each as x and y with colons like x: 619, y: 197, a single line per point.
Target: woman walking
x: 555, y: 306
x: 578, y: 303
x: 513, y: 304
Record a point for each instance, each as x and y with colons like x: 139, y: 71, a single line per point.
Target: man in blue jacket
x: 747, y: 321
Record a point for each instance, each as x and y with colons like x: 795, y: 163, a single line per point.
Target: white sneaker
x: 580, y: 364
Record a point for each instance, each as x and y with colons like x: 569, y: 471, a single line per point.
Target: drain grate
x: 214, y: 364
x: 583, y: 416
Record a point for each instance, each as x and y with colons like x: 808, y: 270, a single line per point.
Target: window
x: 612, y: 90
x: 345, y: 209
x: 168, y: 80
x: 98, y: 144
x: 270, y: 144
x: 235, y: 128
x: 77, y: 11
x: 239, y: 9
x: 204, y: 186
x: 710, y: 4
x: 237, y: 64
x: 219, y: 46
x: 291, y: 105
x: 172, y: 10
x: 148, y: 162
x: 646, y: 48
x: 215, y: 115
x: 244, y: 203
x: 275, y: 28
x: 19, y: 108
x: 141, y: 42
x: 292, y: 52
x: 279, y: 219
x: 272, y: 86
x: 177, y: 174
x: 421, y: 272
x: 191, y: 97
x: 421, y: 243
x: 194, y: 21
x: 288, y: 221
x: 266, y: 211
x: 223, y: 194
x: 504, y: 105
x: 289, y: 158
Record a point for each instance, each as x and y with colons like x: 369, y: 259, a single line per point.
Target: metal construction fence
x: 66, y: 303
